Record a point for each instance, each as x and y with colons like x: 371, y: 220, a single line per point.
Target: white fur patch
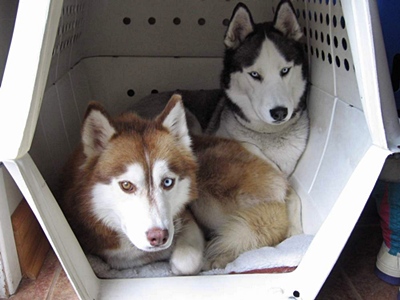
x: 187, y: 257
x: 150, y: 206
x: 257, y: 98
x: 281, y: 143
x: 124, y: 212
x: 178, y: 196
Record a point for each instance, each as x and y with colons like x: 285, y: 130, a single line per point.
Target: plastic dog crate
x: 65, y: 53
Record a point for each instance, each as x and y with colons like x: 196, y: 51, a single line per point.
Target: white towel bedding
x: 287, y: 254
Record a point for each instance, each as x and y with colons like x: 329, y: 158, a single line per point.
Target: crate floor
x: 351, y: 278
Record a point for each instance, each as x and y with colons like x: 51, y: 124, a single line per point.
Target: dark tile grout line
x: 54, y: 281
x: 348, y: 281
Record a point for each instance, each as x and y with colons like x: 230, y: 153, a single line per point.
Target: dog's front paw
x: 186, y: 260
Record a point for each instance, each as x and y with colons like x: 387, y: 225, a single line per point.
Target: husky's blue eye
x: 285, y: 71
x: 255, y: 75
x: 168, y: 183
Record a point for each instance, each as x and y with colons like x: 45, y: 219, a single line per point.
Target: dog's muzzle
x: 279, y: 113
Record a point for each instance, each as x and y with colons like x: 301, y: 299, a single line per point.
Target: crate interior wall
x: 128, y: 55
x: 119, y: 51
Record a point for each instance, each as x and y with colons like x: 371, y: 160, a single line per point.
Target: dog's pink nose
x: 157, y: 236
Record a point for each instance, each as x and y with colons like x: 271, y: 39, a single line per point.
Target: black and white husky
x: 262, y: 101
x: 265, y: 85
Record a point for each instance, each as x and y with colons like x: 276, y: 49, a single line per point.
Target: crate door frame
x: 311, y: 272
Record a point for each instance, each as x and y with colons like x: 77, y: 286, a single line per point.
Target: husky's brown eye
x: 168, y: 183
x: 127, y: 186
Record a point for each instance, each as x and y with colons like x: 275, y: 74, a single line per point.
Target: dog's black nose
x: 279, y: 113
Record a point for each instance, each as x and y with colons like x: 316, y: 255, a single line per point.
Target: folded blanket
x: 285, y: 257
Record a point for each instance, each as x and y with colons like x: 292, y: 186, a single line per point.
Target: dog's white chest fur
x: 283, y: 148
x: 128, y: 256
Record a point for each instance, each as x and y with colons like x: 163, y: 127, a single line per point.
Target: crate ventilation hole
x: 68, y: 33
x: 176, y: 21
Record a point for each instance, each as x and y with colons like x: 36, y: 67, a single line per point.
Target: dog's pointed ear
x: 173, y: 118
x: 286, y: 21
x: 240, y: 26
x: 97, y: 130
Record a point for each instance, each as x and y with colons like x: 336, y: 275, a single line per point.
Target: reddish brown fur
x: 133, y: 139
x: 234, y: 184
x: 249, y: 176
x: 241, y: 203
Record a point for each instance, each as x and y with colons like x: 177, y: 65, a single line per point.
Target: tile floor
x: 351, y: 278
x: 51, y: 284
x: 353, y: 275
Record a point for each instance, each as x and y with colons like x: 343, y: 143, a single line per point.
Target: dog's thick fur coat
x: 127, y: 186
x: 262, y: 100
x: 131, y: 179
x: 241, y: 204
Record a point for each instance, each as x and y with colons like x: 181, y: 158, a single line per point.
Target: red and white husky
x: 127, y: 186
